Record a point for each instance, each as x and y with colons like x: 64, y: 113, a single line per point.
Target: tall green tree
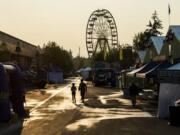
x: 154, y: 28
x: 113, y: 55
x: 55, y: 56
x: 81, y: 62
x: 99, y: 56
x: 139, y: 41
x: 155, y: 25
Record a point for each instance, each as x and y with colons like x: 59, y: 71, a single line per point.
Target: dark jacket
x: 133, y: 90
x: 73, y: 89
x: 82, y: 87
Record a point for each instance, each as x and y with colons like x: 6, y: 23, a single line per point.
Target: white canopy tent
x: 79, y: 71
x: 84, y: 72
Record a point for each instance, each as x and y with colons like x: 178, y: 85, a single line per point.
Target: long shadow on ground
x: 12, y: 128
x: 126, y: 126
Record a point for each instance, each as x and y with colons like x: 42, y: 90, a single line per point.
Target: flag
x: 169, y: 9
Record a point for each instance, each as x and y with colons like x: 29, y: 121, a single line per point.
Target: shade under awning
x: 162, y: 65
x: 144, y: 74
x: 153, y: 69
x: 133, y: 73
x: 150, y: 66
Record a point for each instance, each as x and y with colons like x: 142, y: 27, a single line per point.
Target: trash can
x: 174, y: 115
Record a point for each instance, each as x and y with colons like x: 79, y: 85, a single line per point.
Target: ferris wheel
x: 101, y: 32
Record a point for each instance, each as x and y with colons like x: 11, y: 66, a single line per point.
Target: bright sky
x: 64, y: 21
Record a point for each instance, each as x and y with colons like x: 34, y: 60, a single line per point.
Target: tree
x: 141, y: 39
x: 55, y: 56
x: 113, y: 56
x: 128, y: 57
x: 81, y: 62
x: 154, y: 26
x: 99, y: 56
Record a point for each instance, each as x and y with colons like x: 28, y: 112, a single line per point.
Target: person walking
x: 82, y: 89
x: 133, y: 92
x: 73, y: 91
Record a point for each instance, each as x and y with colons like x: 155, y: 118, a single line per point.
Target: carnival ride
x: 101, y: 32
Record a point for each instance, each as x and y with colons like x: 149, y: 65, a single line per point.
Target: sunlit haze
x: 64, y: 21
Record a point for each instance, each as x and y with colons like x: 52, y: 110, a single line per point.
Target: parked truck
x: 104, y: 76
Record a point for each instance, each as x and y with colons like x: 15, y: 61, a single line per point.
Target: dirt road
x: 105, y: 112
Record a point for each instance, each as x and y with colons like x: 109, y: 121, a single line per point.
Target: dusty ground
x: 33, y: 97
x: 105, y: 112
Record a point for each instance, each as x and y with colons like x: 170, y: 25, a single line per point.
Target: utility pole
x: 79, y: 51
x: 169, y: 14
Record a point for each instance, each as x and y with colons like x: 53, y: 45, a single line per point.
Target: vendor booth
x: 153, y: 72
x: 86, y: 73
x: 55, y: 76
x: 169, y: 89
x: 137, y: 76
x: 148, y: 68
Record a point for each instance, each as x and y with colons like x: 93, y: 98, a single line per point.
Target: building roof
x: 27, y: 49
x: 158, y: 42
x: 142, y: 55
x: 176, y: 30
x: 20, y: 40
x: 174, y: 67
